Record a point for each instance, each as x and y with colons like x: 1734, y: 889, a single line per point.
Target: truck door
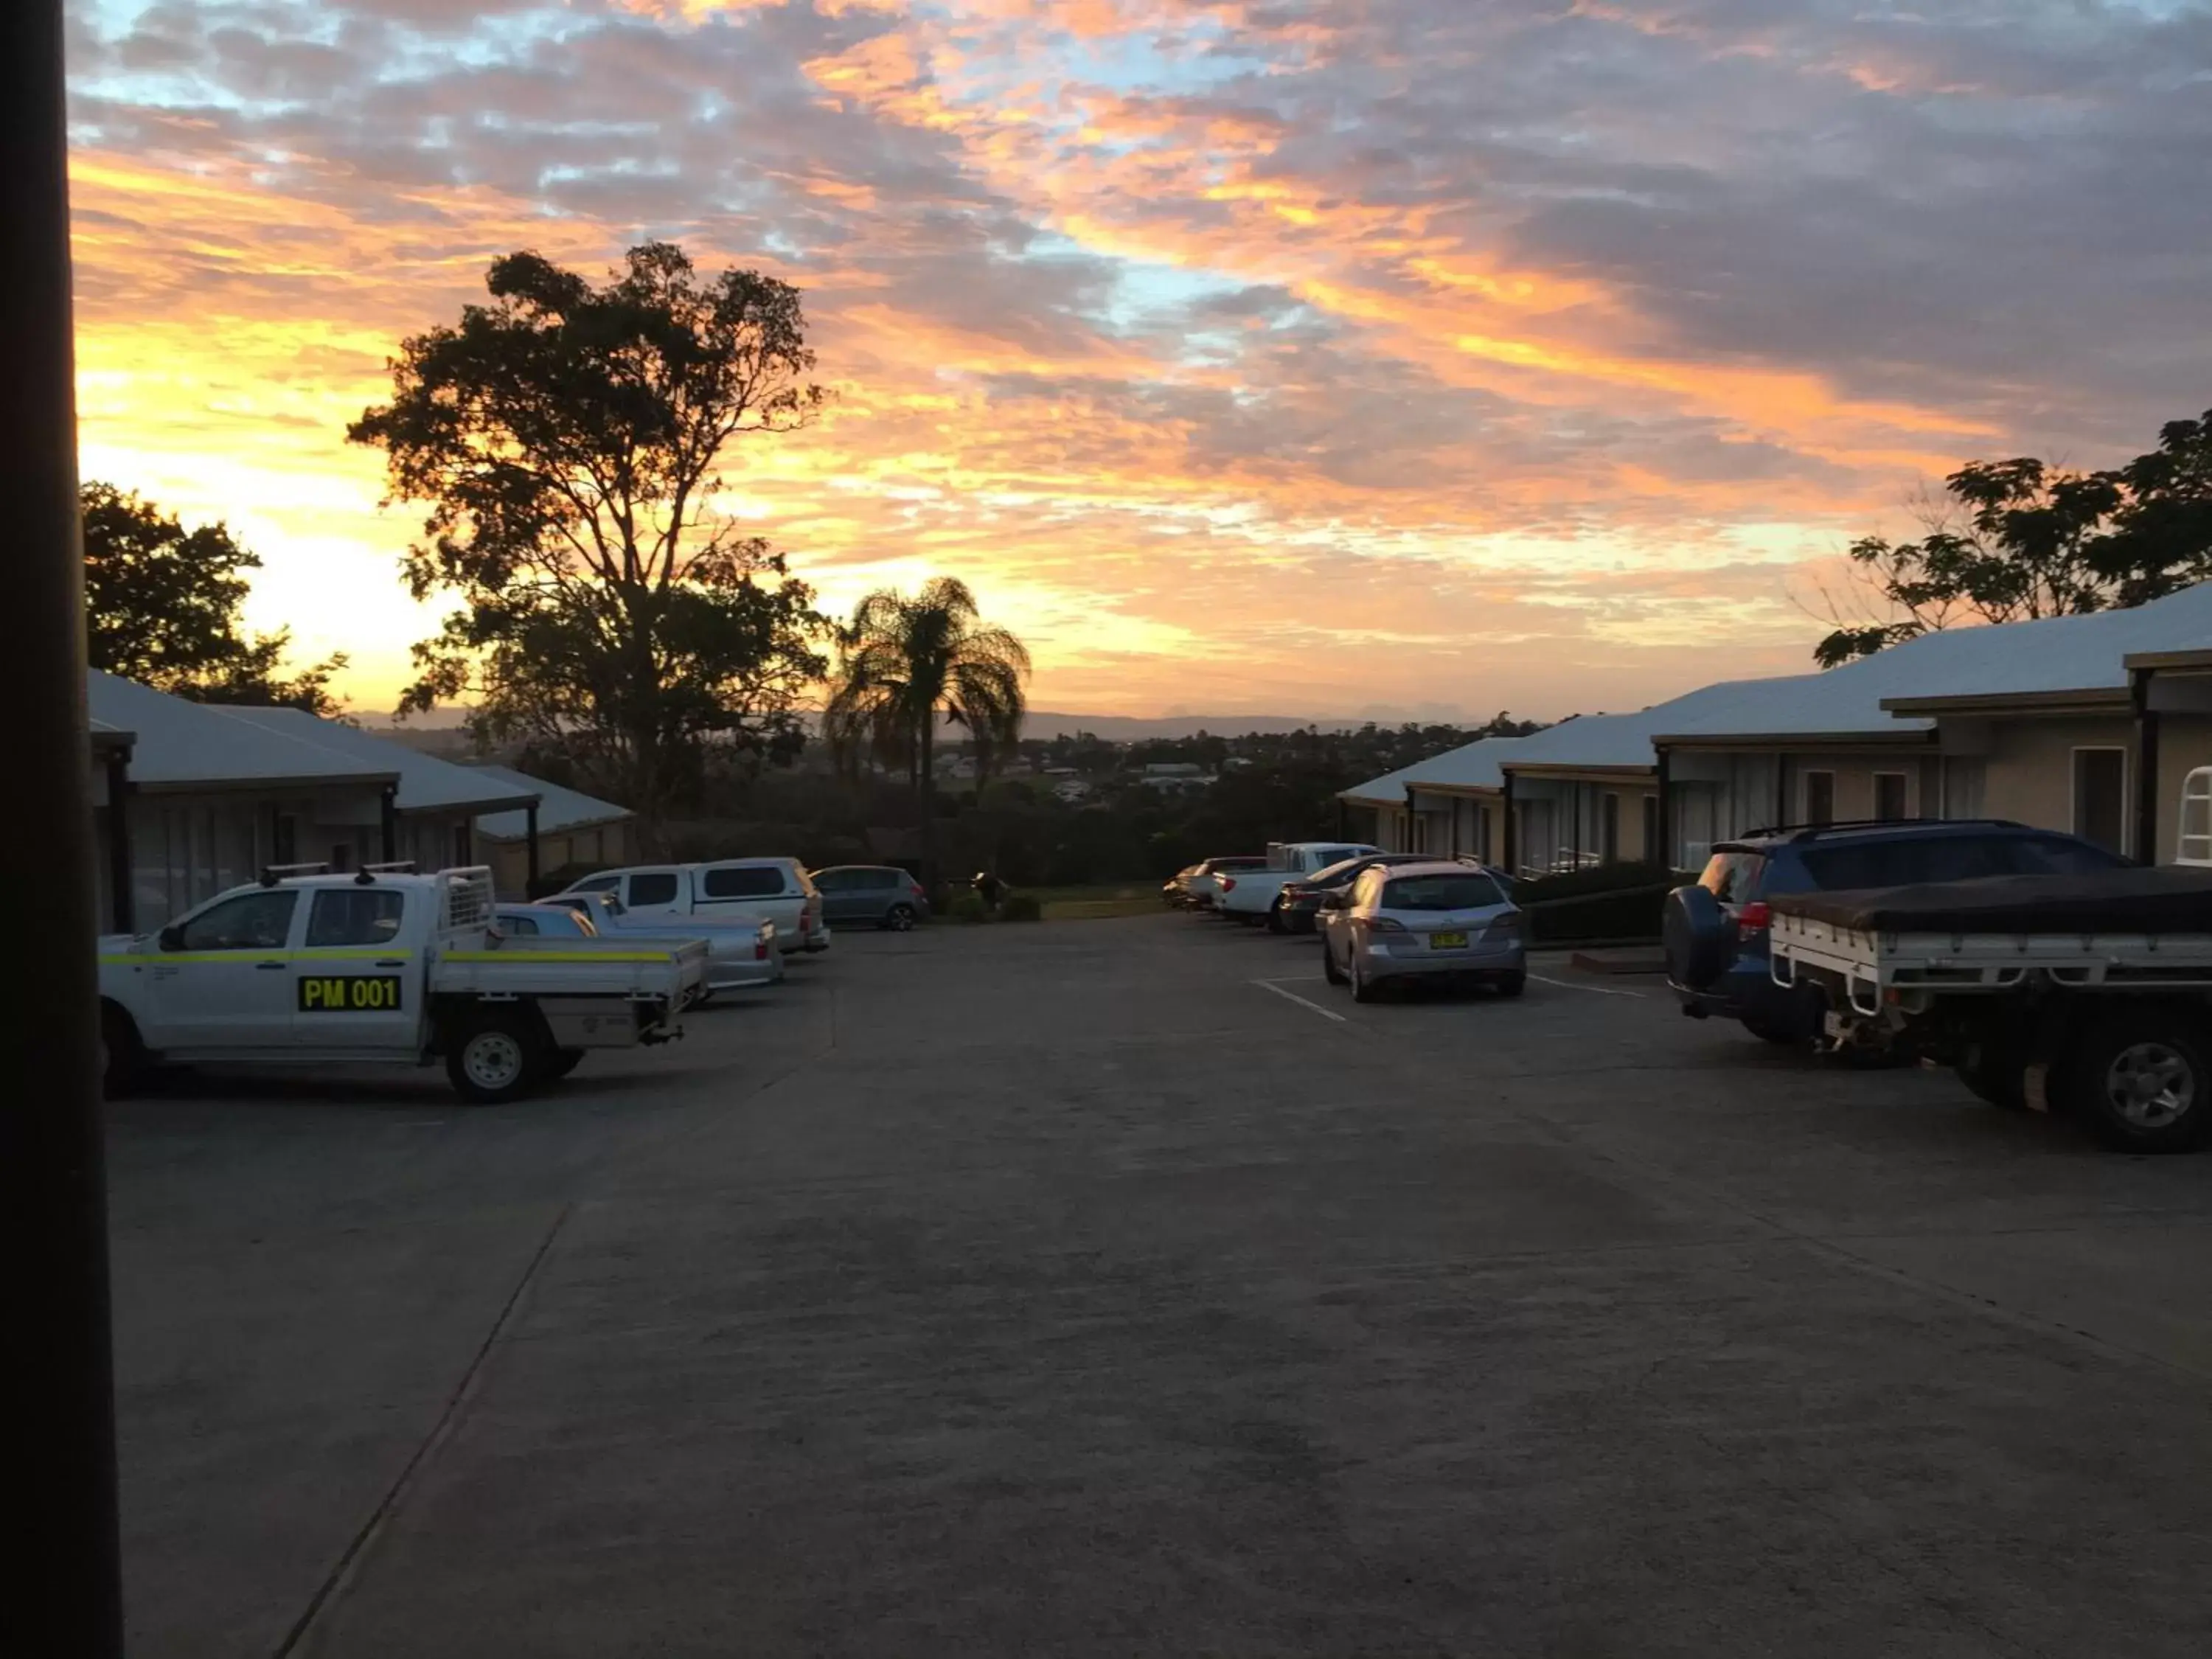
x: 654, y: 892
x: 221, y: 980
x: 352, y: 984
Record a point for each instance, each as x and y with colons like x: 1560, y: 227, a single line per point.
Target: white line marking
x: 1269, y: 985
x: 1601, y: 990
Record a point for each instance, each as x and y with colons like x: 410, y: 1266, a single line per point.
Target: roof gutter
x: 2091, y: 700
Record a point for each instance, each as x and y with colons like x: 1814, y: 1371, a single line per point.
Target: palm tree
x: 900, y: 661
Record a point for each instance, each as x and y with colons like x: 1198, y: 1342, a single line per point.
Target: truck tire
x: 122, y: 1055
x: 2141, y: 1079
x: 1997, y: 1075
x: 496, y: 1056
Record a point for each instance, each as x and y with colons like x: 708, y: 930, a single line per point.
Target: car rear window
x: 1732, y: 878
x: 1472, y: 891
x: 2047, y: 855
x: 744, y: 881
x: 1908, y: 862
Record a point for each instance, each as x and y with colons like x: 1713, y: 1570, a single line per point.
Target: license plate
x: 349, y: 993
x: 1448, y: 941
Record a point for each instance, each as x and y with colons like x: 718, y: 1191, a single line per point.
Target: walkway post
x: 64, y: 1596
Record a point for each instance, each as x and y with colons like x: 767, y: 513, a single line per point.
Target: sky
x: 1411, y: 358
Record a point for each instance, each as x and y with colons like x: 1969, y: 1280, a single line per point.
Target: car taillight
x: 1378, y: 924
x: 1752, y: 920
x: 1229, y: 884
x: 914, y: 887
x: 760, y: 947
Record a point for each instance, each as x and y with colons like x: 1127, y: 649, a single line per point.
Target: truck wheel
x: 122, y: 1055
x: 2139, y: 1078
x: 1998, y: 1076
x: 495, y: 1058
x: 1275, y: 923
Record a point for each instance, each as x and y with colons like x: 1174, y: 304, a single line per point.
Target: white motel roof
x: 558, y: 808
x: 427, y: 784
x: 178, y: 744
x: 1876, y: 696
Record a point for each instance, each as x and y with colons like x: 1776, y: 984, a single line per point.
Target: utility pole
x: 59, y: 1476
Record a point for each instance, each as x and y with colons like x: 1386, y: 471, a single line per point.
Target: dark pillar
x: 2143, y: 844
x: 1663, y: 853
x: 530, y: 878
x: 1508, y: 837
x: 63, y: 1594
x: 388, y: 824
x: 121, y: 900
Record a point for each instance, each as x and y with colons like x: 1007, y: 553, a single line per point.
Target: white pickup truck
x: 2089, y: 994
x: 382, y: 967
x: 773, y: 889
x: 1253, y: 896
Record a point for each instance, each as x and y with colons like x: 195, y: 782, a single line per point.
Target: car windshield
x: 1453, y: 890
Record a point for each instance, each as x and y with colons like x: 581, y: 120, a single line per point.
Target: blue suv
x: 1716, y: 931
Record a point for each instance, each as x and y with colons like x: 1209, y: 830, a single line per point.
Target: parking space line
x: 1601, y: 990
x: 1326, y: 1014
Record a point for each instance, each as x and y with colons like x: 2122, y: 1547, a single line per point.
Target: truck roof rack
x: 273, y: 873
x: 370, y: 873
x: 1847, y: 826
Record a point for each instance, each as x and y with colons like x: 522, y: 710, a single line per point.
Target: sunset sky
x: 1298, y: 356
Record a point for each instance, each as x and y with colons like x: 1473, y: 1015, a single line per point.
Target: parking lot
x: 1118, y: 1287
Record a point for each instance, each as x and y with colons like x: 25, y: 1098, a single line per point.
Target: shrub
x: 1631, y: 914
x: 1598, y: 878
x: 1021, y: 907
x: 967, y: 906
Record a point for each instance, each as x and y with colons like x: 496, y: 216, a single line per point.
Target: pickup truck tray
x: 2135, y: 901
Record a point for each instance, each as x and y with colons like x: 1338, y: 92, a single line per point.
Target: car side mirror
x: 171, y: 937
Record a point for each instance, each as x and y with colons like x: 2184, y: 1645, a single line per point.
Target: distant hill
x: 439, y: 730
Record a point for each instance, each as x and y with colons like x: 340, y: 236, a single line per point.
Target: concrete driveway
x: 1118, y: 1288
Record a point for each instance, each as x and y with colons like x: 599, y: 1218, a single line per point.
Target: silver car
x: 1398, y: 922
x: 740, y: 951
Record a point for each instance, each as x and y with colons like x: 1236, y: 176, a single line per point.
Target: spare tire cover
x: 1699, y: 938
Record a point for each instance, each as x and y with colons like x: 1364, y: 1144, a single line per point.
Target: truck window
x: 251, y: 921
x: 654, y: 887
x: 355, y: 915
x: 744, y: 881
x: 518, y: 926
x: 596, y: 884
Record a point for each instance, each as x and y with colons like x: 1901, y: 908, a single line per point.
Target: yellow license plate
x: 1448, y: 941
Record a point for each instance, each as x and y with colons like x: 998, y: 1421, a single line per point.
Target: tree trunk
x: 926, y: 789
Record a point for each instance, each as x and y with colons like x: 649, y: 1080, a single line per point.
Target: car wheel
x: 899, y: 918
x: 2139, y: 1079
x: 1364, y: 989
x: 1275, y: 922
x: 1512, y: 984
x: 122, y: 1055
x: 495, y: 1058
x: 1329, y: 970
